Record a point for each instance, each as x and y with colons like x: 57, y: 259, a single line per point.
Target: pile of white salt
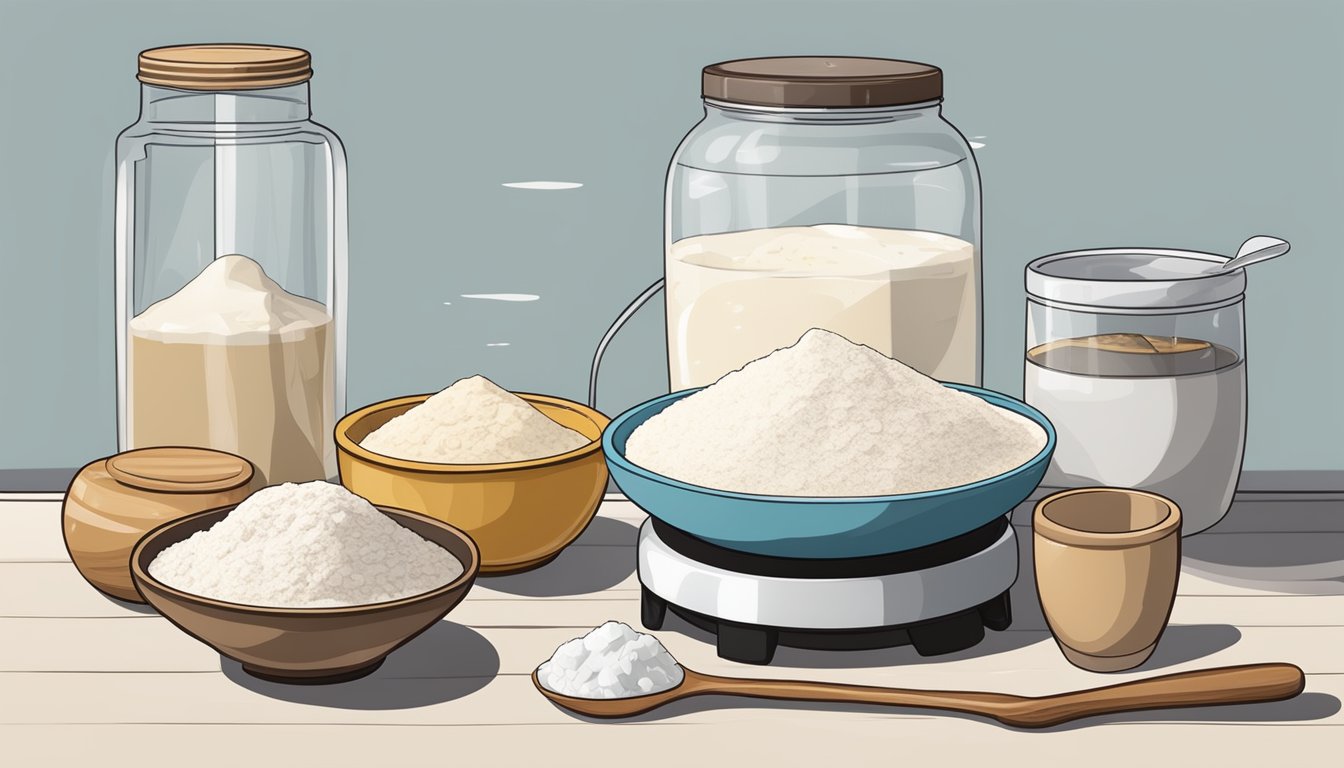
x: 611, y: 662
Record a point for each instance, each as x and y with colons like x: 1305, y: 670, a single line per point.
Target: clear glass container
x: 822, y: 192
x: 1138, y: 358
x: 231, y: 261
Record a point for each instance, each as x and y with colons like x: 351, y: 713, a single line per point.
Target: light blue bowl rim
x: 997, y: 399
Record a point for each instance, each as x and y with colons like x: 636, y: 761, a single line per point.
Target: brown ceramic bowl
x: 304, y: 645
x: 521, y: 514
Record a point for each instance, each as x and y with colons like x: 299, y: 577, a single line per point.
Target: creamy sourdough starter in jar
x: 906, y: 293
x: 822, y: 193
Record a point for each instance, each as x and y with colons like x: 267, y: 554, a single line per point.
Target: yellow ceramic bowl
x: 521, y: 514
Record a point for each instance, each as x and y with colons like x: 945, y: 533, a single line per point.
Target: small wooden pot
x: 113, y: 502
x: 1107, y: 564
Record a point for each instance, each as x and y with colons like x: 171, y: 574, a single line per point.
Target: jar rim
x: 809, y: 110
x: 1133, y: 278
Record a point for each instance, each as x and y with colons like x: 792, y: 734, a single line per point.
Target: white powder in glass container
x: 611, y: 662
x: 234, y: 362
x: 473, y: 422
x: 827, y: 417
x: 312, y: 545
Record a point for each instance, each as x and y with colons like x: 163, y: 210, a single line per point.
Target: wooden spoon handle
x: 990, y: 704
x: 1224, y: 685
x: 1205, y: 687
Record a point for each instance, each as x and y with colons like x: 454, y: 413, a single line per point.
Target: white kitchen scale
x: 939, y: 598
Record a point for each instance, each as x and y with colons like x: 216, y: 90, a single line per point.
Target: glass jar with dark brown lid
x: 823, y: 192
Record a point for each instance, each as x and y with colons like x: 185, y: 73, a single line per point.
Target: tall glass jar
x: 1137, y: 357
x: 822, y: 192
x: 231, y: 261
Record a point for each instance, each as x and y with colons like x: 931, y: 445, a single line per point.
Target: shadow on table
x: 1189, y: 642
x: 580, y: 569
x: 1304, y: 708
x: 1303, y: 563
x: 137, y: 607
x: 446, y: 662
x: 905, y: 655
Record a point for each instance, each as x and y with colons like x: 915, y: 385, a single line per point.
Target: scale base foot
x: 752, y: 644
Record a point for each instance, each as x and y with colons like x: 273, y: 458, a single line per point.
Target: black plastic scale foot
x: 652, y: 609
x: 746, y: 644
x: 997, y: 613
x: 948, y: 634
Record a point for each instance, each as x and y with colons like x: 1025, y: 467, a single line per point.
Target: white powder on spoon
x: 473, y: 422
x: 611, y: 662
x: 313, y: 545
x: 827, y: 417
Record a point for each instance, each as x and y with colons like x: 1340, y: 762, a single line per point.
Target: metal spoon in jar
x: 1257, y: 249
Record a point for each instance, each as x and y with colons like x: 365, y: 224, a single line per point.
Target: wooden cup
x: 1107, y: 564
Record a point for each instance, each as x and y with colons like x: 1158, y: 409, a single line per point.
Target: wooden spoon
x: 1206, y: 687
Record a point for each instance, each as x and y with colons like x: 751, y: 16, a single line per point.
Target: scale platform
x: 939, y: 598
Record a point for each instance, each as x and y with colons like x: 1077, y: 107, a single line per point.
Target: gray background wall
x: 1185, y: 124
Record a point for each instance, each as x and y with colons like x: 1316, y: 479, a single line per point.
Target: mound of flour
x: 827, y: 417
x: 314, y: 545
x: 473, y: 422
x: 611, y: 662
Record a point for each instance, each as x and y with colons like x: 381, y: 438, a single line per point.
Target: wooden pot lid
x: 180, y: 470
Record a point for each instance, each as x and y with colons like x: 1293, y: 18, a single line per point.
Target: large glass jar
x: 231, y: 261
x: 1138, y: 359
x: 822, y: 192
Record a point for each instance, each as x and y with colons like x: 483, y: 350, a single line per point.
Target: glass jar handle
x: 626, y: 314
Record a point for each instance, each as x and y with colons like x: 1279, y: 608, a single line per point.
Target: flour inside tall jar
x: 233, y: 362
x: 738, y: 296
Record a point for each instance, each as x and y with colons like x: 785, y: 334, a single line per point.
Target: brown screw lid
x: 180, y: 470
x: 224, y: 66
x: 822, y: 81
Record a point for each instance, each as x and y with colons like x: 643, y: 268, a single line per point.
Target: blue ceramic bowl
x: 822, y: 527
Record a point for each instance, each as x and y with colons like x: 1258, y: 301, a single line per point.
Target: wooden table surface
x: 85, y: 680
